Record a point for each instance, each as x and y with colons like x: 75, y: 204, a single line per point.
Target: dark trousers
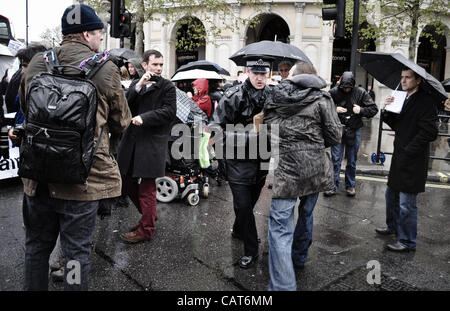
x: 244, y: 201
x: 44, y: 219
x: 143, y: 196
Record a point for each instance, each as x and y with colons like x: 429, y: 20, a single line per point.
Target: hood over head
x: 347, y: 80
x: 308, y: 81
x: 201, y: 85
x: 136, y: 62
x: 294, y: 94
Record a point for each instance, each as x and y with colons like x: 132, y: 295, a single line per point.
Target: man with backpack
x: 55, y: 201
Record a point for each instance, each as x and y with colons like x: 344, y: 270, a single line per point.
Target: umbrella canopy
x: 274, y: 49
x: 188, y: 110
x: 387, y: 69
x: 124, y: 53
x: 446, y: 84
x: 204, y: 65
x: 196, y: 74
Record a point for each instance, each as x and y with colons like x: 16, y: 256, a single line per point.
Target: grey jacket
x: 308, y: 123
x: 137, y: 65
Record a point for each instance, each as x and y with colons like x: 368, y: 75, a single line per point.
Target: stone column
x: 171, y: 58
x: 210, y: 48
x: 299, y: 9
x: 235, y: 37
x: 325, y: 58
x: 447, y: 60
x: 163, y: 51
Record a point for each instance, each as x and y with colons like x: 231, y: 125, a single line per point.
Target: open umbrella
x: 188, y: 110
x: 204, y: 65
x: 124, y: 53
x: 446, y: 84
x: 274, y: 49
x: 196, y: 74
x: 387, y: 69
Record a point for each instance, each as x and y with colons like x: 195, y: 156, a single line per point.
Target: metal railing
x: 380, y: 157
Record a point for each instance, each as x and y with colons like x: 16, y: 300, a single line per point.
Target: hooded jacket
x: 357, y: 96
x: 307, y: 123
x: 137, y: 66
x: 202, y: 98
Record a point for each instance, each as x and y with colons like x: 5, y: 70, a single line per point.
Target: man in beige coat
x: 70, y: 209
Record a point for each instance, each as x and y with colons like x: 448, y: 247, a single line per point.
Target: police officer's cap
x: 258, y: 65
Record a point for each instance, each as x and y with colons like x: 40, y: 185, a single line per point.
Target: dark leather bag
x: 349, y: 136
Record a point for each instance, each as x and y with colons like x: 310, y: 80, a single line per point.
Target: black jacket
x: 415, y: 127
x: 143, y: 149
x: 12, y: 90
x: 239, y: 105
x: 357, y: 96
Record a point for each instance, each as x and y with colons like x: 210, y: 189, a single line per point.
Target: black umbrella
x: 124, y: 53
x: 387, y: 69
x: 273, y: 49
x: 204, y: 65
x: 446, y: 84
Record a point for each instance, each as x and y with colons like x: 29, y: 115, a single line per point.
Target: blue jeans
x: 351, y: 153
x: 286, y: 244
x: 44, y: 218
x: 401, y: 216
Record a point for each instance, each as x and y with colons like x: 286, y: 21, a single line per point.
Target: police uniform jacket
x: 238, y: 106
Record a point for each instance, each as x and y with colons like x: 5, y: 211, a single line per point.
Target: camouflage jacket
x: 307, y: 124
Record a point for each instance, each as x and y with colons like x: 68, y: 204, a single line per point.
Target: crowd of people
x: 134, y: 127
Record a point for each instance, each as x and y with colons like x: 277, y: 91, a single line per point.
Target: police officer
x: 238, y: 106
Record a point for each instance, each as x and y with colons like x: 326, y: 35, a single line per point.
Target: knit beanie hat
x: 78, y: 18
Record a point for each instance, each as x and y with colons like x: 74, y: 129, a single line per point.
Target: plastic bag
x: 203, y: 154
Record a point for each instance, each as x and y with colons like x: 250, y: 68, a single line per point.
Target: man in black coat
x: 352, y: 103
x: 143, y: 148
x: 238, y: 106
x: 415, y: 127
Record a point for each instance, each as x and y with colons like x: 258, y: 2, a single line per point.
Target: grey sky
x: 42, y: 14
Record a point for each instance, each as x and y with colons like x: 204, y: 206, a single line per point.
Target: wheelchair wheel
x: 193, y: 199
x: 166, y: 189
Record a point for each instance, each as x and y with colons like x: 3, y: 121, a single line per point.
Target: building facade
x: 296, y: 22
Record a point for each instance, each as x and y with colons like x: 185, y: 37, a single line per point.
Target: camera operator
x: 143, y: 148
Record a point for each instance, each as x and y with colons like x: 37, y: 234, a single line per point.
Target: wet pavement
x: 192, y: 249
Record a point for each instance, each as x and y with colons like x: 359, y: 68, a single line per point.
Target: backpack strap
x: 51, y: 61
x: 54, y: 66
x: 91, y: 65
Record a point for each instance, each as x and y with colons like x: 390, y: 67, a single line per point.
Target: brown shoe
x: 133, y: 237
x: 351, y: 192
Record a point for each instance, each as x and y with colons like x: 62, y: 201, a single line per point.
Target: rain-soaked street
x: 193, y: 250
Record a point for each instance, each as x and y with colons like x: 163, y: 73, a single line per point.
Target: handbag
x: 349, y: 136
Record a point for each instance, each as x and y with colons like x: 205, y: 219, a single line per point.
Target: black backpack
x: 60, y: 123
